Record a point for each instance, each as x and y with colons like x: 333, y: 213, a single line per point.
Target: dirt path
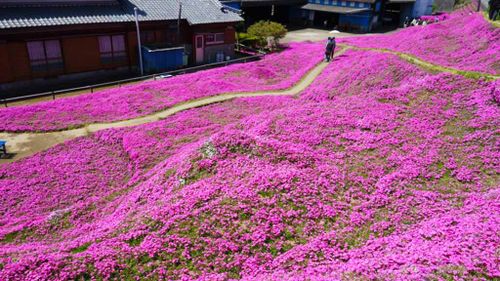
x: 427, y: 65
x: 26, y: 144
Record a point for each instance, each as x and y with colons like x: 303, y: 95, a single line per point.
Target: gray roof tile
x: 194, y: 11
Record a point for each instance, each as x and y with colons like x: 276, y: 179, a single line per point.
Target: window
x: 334, y: 3
x: 112, y: 49
x: 343, y: 3
x: 171, y: 34
x: 199, y: 42
x: 214, y: 38
x: 45, y: 56
x: 352, y: 4
x: 154, y: 36
x: 148, y: 36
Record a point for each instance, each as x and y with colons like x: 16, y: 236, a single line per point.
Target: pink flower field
x: 379, y: 170
x: 274, y: 72
x: 464, y: 42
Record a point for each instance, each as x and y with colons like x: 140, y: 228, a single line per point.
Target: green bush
x: 248, y: 40
x: 264, y: 29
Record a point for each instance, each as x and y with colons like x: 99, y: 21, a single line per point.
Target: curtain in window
x: 36, y: 51
x: 53, y: 49
x: 118, y: 43
x: 219, y: 37
x: 209, y: 38
x: 105, y: 44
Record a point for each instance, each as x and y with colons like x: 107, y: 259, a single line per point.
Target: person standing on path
x: 332, y: 52
x: 329, y: 48
x: 494, y: 7
x: 406, y: 22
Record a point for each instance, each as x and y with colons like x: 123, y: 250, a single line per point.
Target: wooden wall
x: 81, y: 54
x: 80, y: 46
x: 5, y: 72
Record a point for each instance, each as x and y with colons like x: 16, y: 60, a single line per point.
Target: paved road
x: 313, y: 34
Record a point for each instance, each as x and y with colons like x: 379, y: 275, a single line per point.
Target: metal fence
x: 119, y: 83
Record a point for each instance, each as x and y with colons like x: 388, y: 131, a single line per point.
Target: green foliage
x: 246, y: 39
x: 81, y: 248
x: 434, y: 8
x: 136, y: 241
x: 17, y: 236
x: 10, y: 237
x: 263, y: 29
x: 461, y: 3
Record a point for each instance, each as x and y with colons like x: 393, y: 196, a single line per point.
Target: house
x: 363, y: 15
x: 287, y: 12
x: 51, y: 43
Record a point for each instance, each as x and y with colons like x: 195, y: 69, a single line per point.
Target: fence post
x: 5, y: 102
x: 91, y: 90
x: 53, y: 95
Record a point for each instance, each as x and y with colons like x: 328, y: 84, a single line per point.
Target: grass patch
x: 196, y: 173
x: 17, y: 236
x: 81, y: 248
x: 170, y: 172
x: 136, y: 241
x: 10, y: 237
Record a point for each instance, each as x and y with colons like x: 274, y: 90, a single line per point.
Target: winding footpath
x: 26, y: 144
x: 430, y: 66
x: 29, y: 143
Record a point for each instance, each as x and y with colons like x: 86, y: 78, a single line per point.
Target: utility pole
x: 478, y: 5
x: 179, y: 23
x: 138, y: 41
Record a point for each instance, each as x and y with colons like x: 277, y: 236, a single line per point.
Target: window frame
x: 46, y: 64
x: 215, y: 41
x: 113, y: 57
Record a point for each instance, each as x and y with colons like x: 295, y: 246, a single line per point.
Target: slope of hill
x: 378, y: 171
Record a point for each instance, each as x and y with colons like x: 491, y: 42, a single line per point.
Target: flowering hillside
x: 360, y: 73
x: 354, y: 184
x: 379, y: 170
x: 274, y: 72
x: 465, y: 42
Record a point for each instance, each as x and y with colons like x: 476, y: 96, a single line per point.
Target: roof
x: 334, y: 9
x: 55, y: 2
x: 254, y: 3
x: 364, y: 1
x: 402, y: 1
x: 193, y: 11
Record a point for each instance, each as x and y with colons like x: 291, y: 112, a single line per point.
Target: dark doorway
x: 277, y: 13
x: 392, y: 15
x: 325, y: 20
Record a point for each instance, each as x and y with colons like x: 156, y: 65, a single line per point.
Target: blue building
x: 363, y: 15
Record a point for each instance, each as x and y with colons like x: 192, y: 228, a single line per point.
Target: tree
x: 262, y: 30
